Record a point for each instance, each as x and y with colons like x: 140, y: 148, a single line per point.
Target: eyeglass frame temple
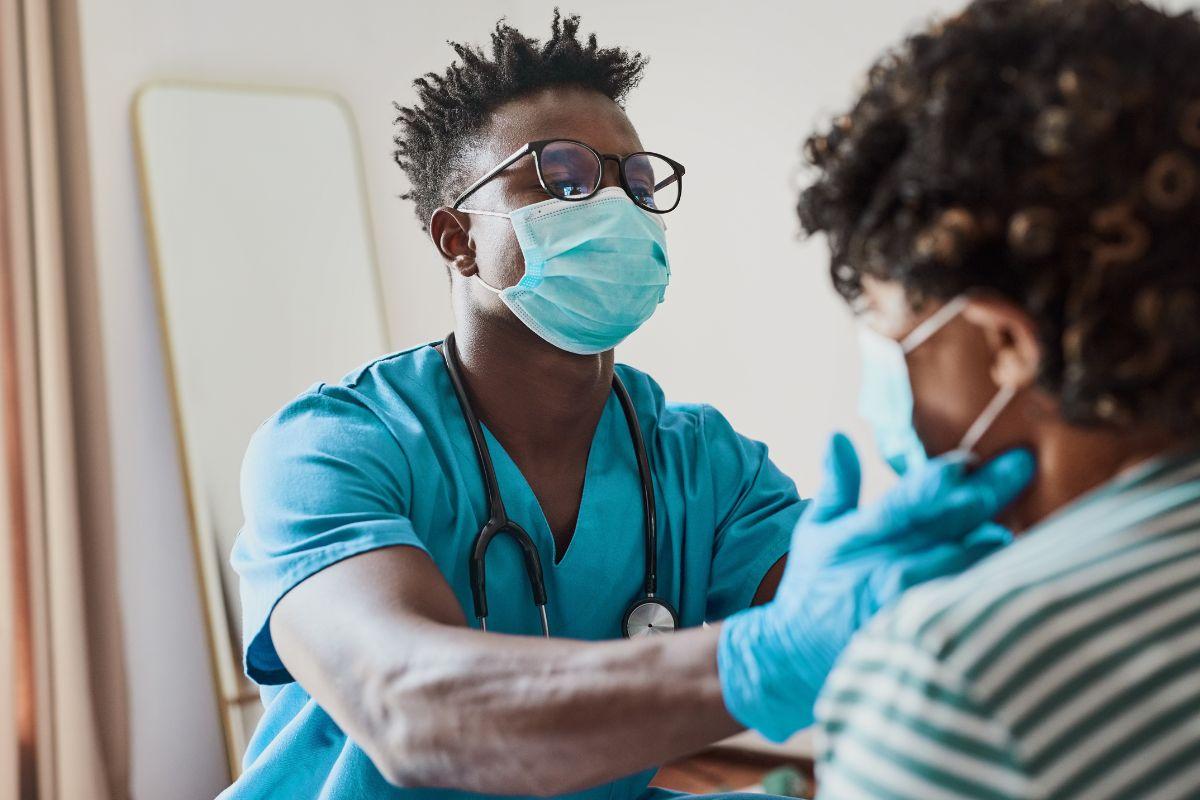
x: 516, y: 156
x: 535, y: 148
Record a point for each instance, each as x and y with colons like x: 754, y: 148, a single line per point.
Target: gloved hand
x: 846, y: 563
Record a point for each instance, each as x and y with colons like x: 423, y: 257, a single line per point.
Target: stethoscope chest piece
x: 648, y: 616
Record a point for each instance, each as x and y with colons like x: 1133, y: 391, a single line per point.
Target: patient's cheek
x: 952, y: 384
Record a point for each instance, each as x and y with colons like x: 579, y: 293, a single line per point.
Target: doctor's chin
x: 380, y: 418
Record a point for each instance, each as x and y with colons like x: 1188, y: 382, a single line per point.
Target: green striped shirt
x: 1066, y: 666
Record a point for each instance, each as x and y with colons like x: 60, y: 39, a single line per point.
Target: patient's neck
x: 1073, y: 460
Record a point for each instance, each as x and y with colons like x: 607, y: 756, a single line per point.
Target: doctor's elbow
x: 416, y: 754
x: 404, y: 761
x: 399, y: 736
x: 430, y: 725
x: 416, y: 738
x: 406, y: 766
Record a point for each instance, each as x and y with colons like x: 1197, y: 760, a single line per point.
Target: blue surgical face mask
x: 595, y: 270
x: 886, y: 398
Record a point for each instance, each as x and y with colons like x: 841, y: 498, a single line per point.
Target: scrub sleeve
x: 322, y: 481
x: 757, y: 509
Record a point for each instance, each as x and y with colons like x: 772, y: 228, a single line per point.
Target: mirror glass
x: 267, y: 277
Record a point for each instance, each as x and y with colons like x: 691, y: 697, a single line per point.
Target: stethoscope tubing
x: 499, y: 523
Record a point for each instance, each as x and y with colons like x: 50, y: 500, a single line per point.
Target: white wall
x: 750, y: 324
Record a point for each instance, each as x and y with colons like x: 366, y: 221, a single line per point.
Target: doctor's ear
x: 451, y: 234
x: 1011, y: 335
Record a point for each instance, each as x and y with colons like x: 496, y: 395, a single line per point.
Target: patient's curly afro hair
x: 452, y: 108
x: 1048, y: 150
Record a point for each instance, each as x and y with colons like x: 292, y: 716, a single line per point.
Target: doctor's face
x: 554, y: 113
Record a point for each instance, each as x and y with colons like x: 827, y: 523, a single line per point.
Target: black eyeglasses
x: 570, y: 170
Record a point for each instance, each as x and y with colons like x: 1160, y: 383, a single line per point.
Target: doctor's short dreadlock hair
x: 454, y: 106
x: 1048, y: 151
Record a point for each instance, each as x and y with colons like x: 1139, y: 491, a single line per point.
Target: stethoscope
x: 648, y: 614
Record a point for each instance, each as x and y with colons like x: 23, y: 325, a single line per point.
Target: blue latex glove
x: 846, y: 563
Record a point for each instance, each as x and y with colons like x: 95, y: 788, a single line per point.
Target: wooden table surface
x: 726, y: 769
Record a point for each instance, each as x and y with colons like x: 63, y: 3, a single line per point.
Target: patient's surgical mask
x: 886, y: 399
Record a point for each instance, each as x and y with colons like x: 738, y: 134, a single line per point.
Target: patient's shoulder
x: 996, y: 611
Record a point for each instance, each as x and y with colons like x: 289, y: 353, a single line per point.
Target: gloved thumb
x: 840, y: 487
x: 912, y: 569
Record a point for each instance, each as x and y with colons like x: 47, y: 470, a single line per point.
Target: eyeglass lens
x: 652, y: 181
x: 571, y: 171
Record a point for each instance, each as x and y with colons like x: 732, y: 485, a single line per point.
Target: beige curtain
x: 62, y: 720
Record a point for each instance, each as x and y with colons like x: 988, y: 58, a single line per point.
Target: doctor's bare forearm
x: 380, y: 643
x: 523, y: 715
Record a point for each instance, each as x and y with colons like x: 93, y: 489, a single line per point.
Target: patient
x: 1026, y: 175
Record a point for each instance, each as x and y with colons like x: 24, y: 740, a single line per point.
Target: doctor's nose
x: 611, y: 175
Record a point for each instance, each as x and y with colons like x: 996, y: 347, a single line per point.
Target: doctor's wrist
x: 768, y: 682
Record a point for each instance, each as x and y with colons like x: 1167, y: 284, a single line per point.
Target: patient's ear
x: 450, y: 231
x: 1011, y: 334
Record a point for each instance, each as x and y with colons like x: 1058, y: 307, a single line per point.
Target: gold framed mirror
x: 260, y: 239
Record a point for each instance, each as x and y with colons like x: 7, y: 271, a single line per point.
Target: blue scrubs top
x: 384, y: 458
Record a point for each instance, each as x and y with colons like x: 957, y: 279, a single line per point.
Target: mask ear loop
x: 487, y: 285
x: 935, y: 323
x: 503, y: 214
x: 984, y: 421
x: 999, y: 401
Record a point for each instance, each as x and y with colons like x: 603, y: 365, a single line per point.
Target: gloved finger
x: 940, y: 502
x: 914, y: 569
x: 977, y: 498
x: 948, y: 559
x: 998, y: 482
x: 919, y: 492
x: 899, y: 515
x: 841, y: 484
x: 962, y: 517
x: 989, y: 533
x: 948, y: 499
